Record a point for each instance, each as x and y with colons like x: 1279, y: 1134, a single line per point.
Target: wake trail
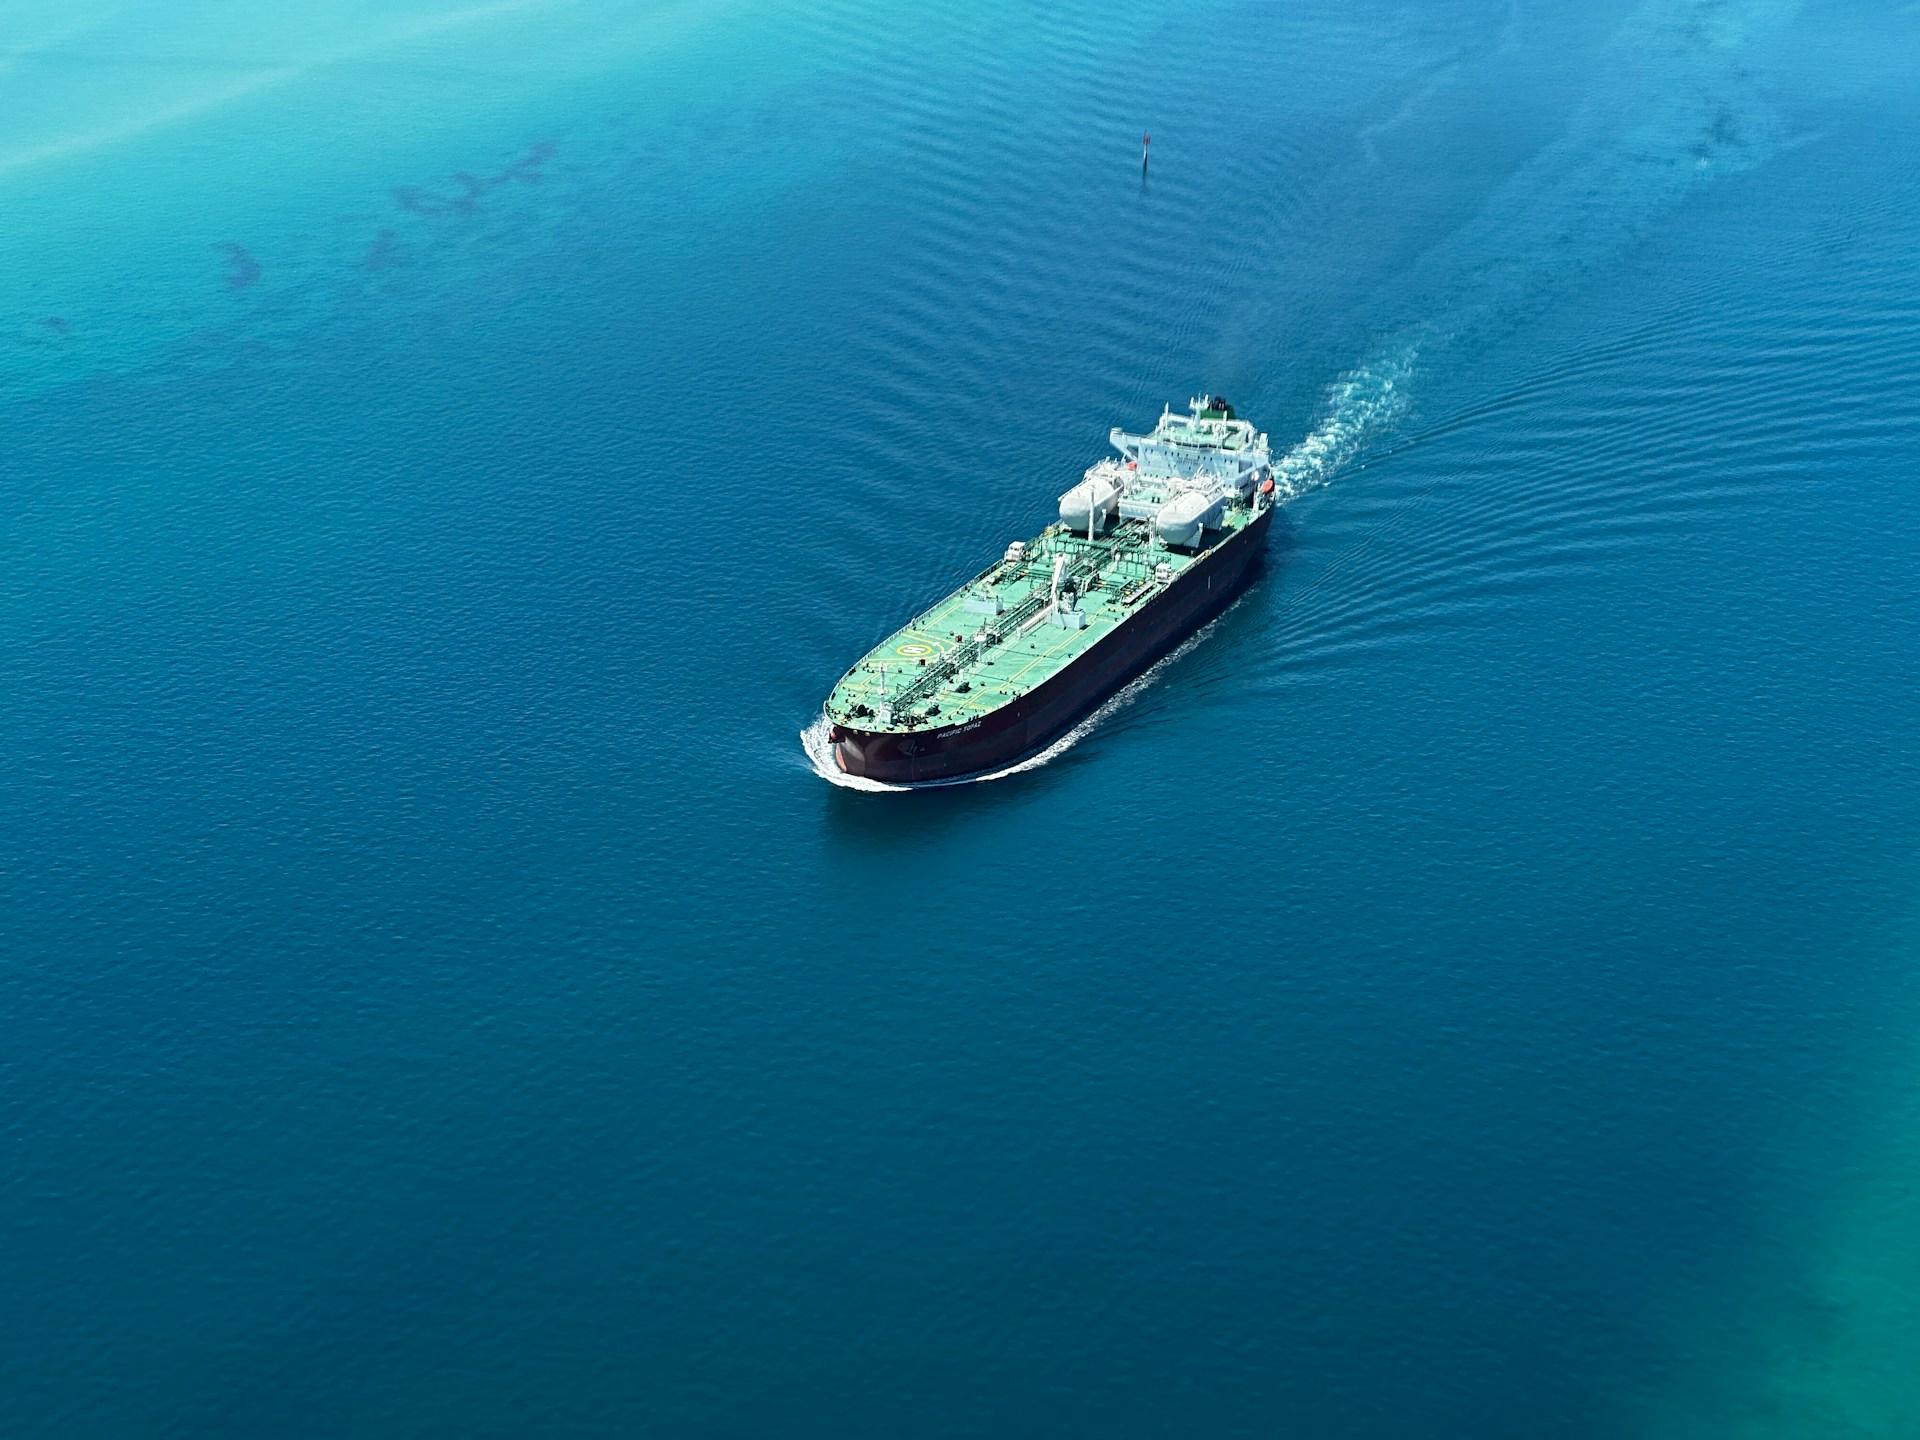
x: 1676, y: 99
x: 1363, y: 404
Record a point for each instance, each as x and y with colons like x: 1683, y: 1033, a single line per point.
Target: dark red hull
x: 1028, y: 725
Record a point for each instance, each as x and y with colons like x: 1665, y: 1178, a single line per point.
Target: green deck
x: 998, y: 658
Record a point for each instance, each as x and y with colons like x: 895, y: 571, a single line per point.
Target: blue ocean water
x: 451, y: 449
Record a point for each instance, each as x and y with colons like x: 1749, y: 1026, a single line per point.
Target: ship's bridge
x: 1181, y: 477
x: 1207, y: 449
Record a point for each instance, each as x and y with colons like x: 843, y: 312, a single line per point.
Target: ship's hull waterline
x: 1025, y: 726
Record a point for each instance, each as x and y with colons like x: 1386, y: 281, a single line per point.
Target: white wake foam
x: 1361, y: 404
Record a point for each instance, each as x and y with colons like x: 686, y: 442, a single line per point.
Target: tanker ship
x: 1149, y: 546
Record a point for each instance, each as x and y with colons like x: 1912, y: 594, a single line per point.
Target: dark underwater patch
x: 242, y: 269
x: 384, y: 252
x: 527, y: 170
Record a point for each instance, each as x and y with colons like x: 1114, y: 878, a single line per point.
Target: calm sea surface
x: 449, y: 451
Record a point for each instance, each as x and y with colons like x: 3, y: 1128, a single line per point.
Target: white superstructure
x: 1180, y: 477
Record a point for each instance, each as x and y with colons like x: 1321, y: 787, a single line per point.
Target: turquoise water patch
x: 208, y: 167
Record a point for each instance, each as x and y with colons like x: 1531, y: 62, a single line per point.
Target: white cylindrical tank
x: 1181, y: 519
x: 1095, y: 494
